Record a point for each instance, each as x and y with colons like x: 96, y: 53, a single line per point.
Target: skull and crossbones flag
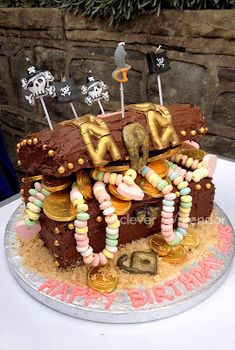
x: 66, y: 91
x: 158, y: 62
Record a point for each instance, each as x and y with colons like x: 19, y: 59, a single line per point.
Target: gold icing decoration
x: 94, y: 127
x: 183, y: 133
x: 81, y: 161
x: 136, y: 141
x: 159, y: 121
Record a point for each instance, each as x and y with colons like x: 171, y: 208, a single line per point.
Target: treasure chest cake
x: 95, y: 183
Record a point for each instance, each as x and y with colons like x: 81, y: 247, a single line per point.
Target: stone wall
x: 202, y: 53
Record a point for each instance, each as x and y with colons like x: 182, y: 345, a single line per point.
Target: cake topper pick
x: 66, y: 92
x: 38, y: 84
x: 158, y: 62
x: 120, y: 73
x: 95, y: 91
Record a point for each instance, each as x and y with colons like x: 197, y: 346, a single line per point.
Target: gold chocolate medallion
x: 160, y: 167
x: 191, y: 240
x: 177, y: 255
x: 84, y: 184
x: 121, y: 207
x: 159, y: 245
x: 53, y: 184
x: 194, y: 153
x: 102, y: 278
x: 57, y: 206
x: 114, y: 168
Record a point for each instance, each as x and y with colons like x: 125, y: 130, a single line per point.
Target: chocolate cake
x: 81, y: 151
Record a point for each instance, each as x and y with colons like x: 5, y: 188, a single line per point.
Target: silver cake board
x: 196, y: 282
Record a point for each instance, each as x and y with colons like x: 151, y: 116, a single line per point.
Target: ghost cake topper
x: 95, y: 91
x: 38, y: 84
x: 66, y: 92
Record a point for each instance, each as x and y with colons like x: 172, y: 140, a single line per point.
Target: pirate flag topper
x: 158, y: 62
x: 38, y: 84
x: 95, y: 90
x: 65, y: 90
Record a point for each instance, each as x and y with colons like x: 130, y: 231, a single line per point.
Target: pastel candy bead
x: 149, y: 173
x: 32, y: 215
x: 188, y: 176
x: 170, y: 238
x: 173, y: 176
x: 186, y: 199
x: 99, y: 184
x: 103, y: 197
x: 166, y: 215
x: 103, y: 259
x: 189, y: 162
x: 31, y: 199
x: 82, y: 208
x: 168, y: 203
x: 162, y: 184
x: 116, y: 224
x: 156, y: 181
x: 100, y: 175
x: 112, y: 236
x: 182, y: 172
x: 184, y: 210
x: 80, y: 223
x: 95, y: 261
x: 77, y: 202
x: 144, y: 170
x: 210, y: 161
x: 183, y: 159
x: 183, y: 225
x: 193, y: 144
x: 111, y: 242
x: 131, y: 173
x: 88, y: 260
x: 33, y: 192
x: 178, y: 157
x: 166, y: 228
x: 45, y: 192
x: 83, y: 216
x: 74, y: 195
x: 38, y: 186
x: 131, y: 192
x: 28, y: 222
x: 38, y: 203
x: 112, y: 178
x: 40, y: 196
x: 80, y: 237
x: 81, y: 249
x: 109, y: 211
x: 87, y: 252
x: 33, y: 207
x: 185, y: 220
x: 178, y: 180
x: 167, y: 189
x: 181, y: 230
x: 195, y: 164
x: 186, y: 205
x: 105, y: 205
x: 83, y: 243
x: 168, y: 209
x: 119, y: 179
x: 81, y: 230
x: 182, y: 185
x: 112, y: 231
x: 185, y: 191
x: 170, y: 196
x: 111, y: 219
x: 108, y: 254
x: 183, y: 215
x: 106, y: 177
x: 167, y: 221
x: 128, y: 180
x: 111, y: 249
x: 27, y: 233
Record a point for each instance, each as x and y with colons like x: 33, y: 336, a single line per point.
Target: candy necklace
x: 171, y: 237
x: 81, y: 226
x: 197, y: 175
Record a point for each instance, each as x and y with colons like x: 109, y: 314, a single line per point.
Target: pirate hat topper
x: 95, y: 90
x: 158, y: 62
x: 37, y: 83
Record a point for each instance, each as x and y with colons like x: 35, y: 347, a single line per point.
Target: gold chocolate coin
x: 159, y: 245
x: 53, y: 184
x: 30, y: 179
x: 84, y: 184
x: 121, y: 207
x: 169, y: 153
x: 177, y: 255
x: 113, y: 190
x: 160, y: 167
x: 194, y: 153
x: 102, y: 278
x: 57, y: 206
x: 191, y: 240
x: 114, y: 168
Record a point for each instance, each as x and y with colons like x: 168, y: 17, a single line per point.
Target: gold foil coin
x: 177, y: 255
x: 84, y: 184
x: 160, y: 167
x: 53, y: 184
x: 30, y: 179
x: 114, y: 168
x: 169, y: 153
x: 102, y: 278
x: 121, y: 207
x: 159, y: 245
x: 113, y: 190
x: 57, y: 206
x: 191, y: 240
x: 194, y: 153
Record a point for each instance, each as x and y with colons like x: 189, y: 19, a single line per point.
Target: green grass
x: 120, y: 10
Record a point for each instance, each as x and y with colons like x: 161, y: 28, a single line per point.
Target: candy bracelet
x: 171, y: 237
x: 81, y: 226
